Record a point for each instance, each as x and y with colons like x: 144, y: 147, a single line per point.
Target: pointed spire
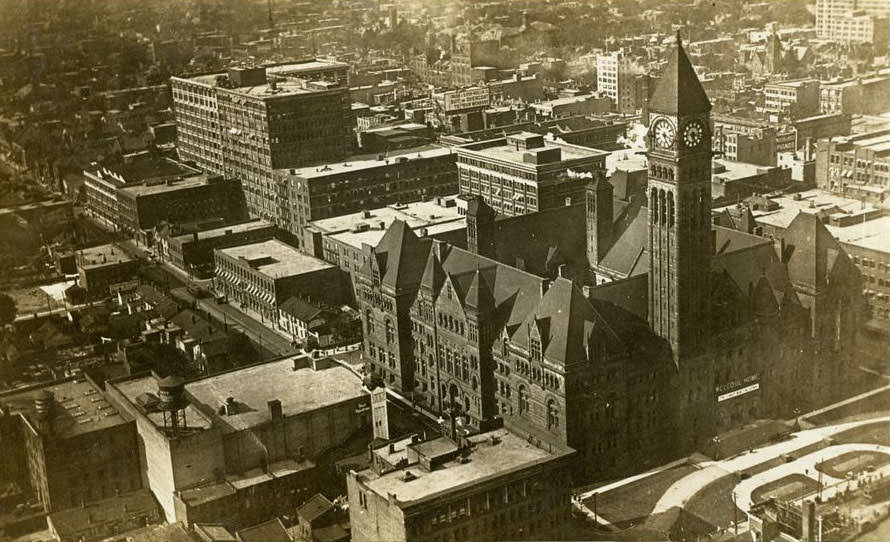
x: 679, y: 91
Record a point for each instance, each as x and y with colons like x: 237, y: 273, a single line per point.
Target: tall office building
x: 250, y: 121
x: 854, y: 21
x: 620, y: 78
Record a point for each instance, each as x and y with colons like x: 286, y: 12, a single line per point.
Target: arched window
x: 390, y: 331
x: 552, y: 414
x: 523, y: 400
x: 369, y: 321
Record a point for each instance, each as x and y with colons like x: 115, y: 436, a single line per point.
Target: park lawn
x: 872, y: 433
x: 790, y: 487
x: 855, y: 462
x: 630, y: 504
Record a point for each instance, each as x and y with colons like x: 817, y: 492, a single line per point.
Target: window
x: 552, y: 414
x: 535, y: 347
x: 390, y: 333
x: 523, y: 400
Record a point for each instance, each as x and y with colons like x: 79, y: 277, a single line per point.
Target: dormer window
x: 535, y: 349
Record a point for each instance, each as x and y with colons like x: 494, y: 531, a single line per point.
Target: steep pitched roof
x: 812, y: 252
x: 400, y: 256
x: 566, y: 320
x: 479, y: 293
x: 433, y: 274
x: 679, y: 91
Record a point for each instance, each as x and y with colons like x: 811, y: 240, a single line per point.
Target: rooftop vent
x: 408, y: 476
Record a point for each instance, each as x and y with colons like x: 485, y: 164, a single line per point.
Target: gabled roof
x: 270, y: 531
x: 400, y: 256
x: 679, y: 91
x: 433, y: 274
x: 566, y: 320
x: 479, y: 293
x: 812, y: 252
x: 299, y: 309
x: 314, y: 508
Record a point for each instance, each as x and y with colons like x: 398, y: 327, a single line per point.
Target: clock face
x: 692, y: 134
x: 664, y: 134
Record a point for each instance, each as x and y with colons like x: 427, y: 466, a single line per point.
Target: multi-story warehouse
x: 856, y: 166
x: 523, y: 173
x: 141, y: 207
x: 105, y: 269
x: 102, y: 182
x: 792, y: 99
x: 217, y: 451
x: 71, y: 446
x: 860, y: 96
x: 854, y: 21
x: 247, y: 122
x: 340, y: 188
x: 491, y: 486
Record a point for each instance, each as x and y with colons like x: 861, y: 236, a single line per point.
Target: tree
x: 7, y: 309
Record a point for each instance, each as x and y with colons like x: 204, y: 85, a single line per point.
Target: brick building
x: 261, y: 276
x: 217, y: 451
x: 865, y: 95
x: 73, y: 446
x: 105, y: 269
x: 187, y: 200
x: 336, y: 189
x: 792, y: 99
x: 524, y: 173
x: 491, y: 486
x: 193, y: 252
x: 856, y: 166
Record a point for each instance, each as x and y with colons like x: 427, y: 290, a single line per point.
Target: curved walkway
x: 806, y: 465
x: 683, y: 490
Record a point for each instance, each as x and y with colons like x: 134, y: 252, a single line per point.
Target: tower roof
x: 679, y: 91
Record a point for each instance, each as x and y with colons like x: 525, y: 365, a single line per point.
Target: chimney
x: 275, y: 409
x: 562, y: 270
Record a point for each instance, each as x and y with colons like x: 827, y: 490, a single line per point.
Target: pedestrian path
x: 861, y: 396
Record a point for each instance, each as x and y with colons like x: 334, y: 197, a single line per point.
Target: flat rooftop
x: 429, y: 215
x: 735, y: 171
x: 148, y: 188
x: 626, y: 160
x: 252, y: 225
x: 487, y: 461
x: 362, y: 162
x: 101, y: 255
x: 870, y: 233
x: 300, y: 391
x: 276, y: 259
x: 144, y: 168
x: 506, y: 153
x: 78, y: 407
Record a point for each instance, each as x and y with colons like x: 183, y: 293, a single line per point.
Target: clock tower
x: 681, y: 241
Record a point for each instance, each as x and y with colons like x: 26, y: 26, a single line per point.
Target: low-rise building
x: 219, y: 451
x: 731, y: 180
x: 261, y: 276
x: 524, y: 173
x: 856, y: 167
x: 193, y: 252
x: 103, y: 519
x: 105, y: 270
x: 71, y: 445
x: 587, y: 104
x: 490, y: 486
